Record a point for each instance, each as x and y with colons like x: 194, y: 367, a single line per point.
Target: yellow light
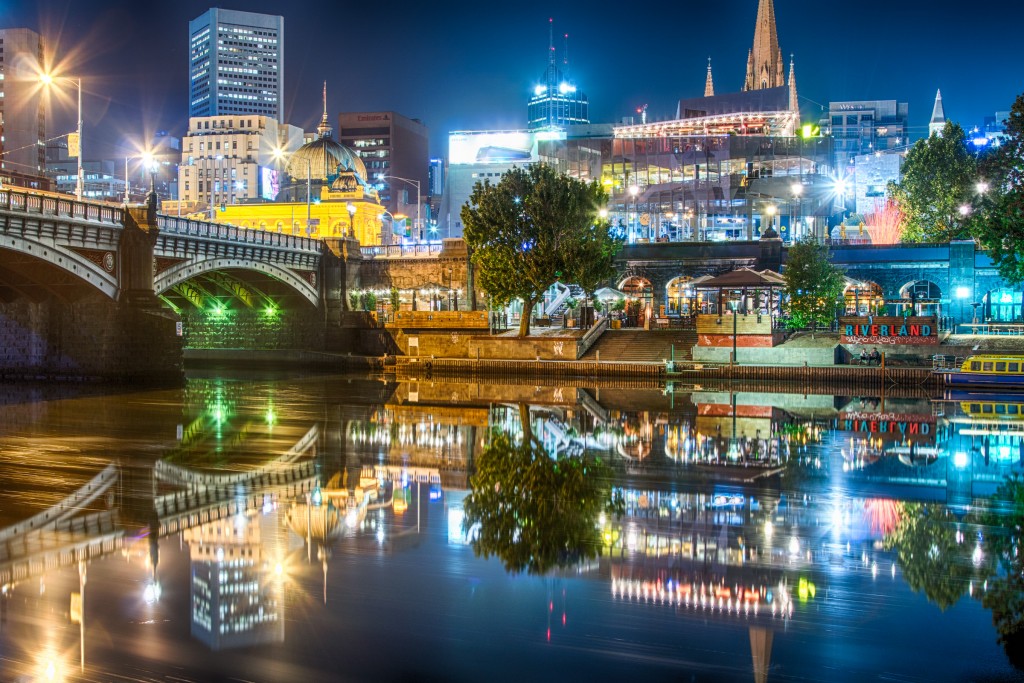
x: 46, y: 79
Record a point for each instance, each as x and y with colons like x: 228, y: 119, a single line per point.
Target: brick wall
x: 252, y: 328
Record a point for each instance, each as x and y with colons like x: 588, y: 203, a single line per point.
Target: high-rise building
x: 394, y: 150
x: 556, y: 101
x: 233, y: 159
x: 236, y: 64
x: 22, y: 104
x: 865, y: 127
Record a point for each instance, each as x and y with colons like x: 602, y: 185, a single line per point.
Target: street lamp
x: 47, y: 79
x: 279, y: 155
x: 351, y: 219
x: 770, y: 210
x: 419, y: 206
x: 798, y: 190
x: 633, y: 192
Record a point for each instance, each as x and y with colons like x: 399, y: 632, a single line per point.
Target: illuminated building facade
x: 231, y: 159
x: 236, y: 64
x: 22, y: 107
x: 556, y: 101
x: 237, y: 596
x: 390, y: 144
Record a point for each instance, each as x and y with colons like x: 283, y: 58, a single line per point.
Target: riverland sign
x: 890, y: 330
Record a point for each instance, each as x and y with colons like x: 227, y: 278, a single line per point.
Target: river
x: 284, y: 527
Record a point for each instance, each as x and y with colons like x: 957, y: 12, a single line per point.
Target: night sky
x: 459, y: 65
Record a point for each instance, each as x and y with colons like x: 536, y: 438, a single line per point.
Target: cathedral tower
x: 764, y: 61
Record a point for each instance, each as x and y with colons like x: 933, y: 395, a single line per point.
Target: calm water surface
x: 291, y: 528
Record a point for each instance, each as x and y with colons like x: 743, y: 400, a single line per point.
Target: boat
x: 1000, y: 371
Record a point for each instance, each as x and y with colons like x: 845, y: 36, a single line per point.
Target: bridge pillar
x: 150, y: 345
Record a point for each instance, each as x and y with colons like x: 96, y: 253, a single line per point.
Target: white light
x: 794, y: 545
x: 963, y: 292
x: 563, y: 87
x: 768, y: 530
x: 960, y: 460
x: 540, y: 90
x: 982, y: 187
x: 964, y: 209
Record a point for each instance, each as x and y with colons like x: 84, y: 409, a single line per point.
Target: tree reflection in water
x: 939, y: 559
x: 536, y: 513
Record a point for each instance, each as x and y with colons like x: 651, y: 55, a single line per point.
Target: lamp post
x: 770, y: 211
x: 47, y: 79
x: 735, y: 305
x: 633, y: 192
x: 279, y: 155
x: 351, y: 219
x: 798, y: 190
x: 419, y: 205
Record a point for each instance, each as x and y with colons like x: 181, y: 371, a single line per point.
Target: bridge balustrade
x: 51, y: 205
x: 185, y: 226
x: 401, y: 250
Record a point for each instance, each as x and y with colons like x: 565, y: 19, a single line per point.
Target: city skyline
x: 484, y: 77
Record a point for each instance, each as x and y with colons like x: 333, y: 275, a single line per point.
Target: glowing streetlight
x: 981, y: 187
x: 351, y: 219
x: 49, y: 79
x: 419, y: 205
x: 964, y: 210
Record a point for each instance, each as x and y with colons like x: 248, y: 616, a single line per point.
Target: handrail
x: 592, y: 335
x: 233, y: 233
x: 48, y: 204
x: 401, y: 250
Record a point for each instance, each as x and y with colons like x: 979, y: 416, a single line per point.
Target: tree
x: 1000, y: 207
x: 534, y: 228
x: 534, y: 512
x: 813, y: 285
x: 940, y: 177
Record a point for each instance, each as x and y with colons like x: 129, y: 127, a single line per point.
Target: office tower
x: 236, y: 64
x: 22, y: 103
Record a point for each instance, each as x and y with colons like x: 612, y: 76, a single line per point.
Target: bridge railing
x: 50, y: 204
x: 401, y: 250
x: 224, y: 231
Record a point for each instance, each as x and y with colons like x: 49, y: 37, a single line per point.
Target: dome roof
x: 323, y: 157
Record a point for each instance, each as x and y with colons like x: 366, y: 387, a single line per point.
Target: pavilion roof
x: 745, y: 277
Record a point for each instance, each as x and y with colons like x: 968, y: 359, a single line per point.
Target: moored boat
x: 1002, y: 371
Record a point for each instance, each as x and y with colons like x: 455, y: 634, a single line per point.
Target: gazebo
x: 758, y: 290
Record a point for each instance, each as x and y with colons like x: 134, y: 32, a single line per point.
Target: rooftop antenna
x: 551, y: 41
x: 566, y: 60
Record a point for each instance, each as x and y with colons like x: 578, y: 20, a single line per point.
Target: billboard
x: 500, y: 147
x: 270, y: 183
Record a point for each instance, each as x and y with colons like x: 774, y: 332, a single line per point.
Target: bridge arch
x: 185, y: 271
x: 101, y: 275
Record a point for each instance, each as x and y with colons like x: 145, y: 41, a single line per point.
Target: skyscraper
x: 22, y: 105
x: 556, y: 101
x: 236, y: 64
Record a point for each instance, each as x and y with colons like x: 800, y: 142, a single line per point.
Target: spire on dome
x: 938, y: 120
x: 709, y: 84
x: 324, y: 129
x: 764, y: 61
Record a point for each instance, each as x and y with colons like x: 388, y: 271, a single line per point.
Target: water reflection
x: 243, y: 506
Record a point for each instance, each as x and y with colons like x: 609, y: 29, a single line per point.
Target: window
x: 1012, y: 409
x: 986, y: 367
x: 975, y: 407
x: 987, y: 409
x: 975, y: 366
x: 851, y: 119
x: 1001, y: 367
x: 1014, y: 367
x: 1000, y: 409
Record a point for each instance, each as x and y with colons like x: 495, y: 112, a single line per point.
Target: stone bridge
x: 95, y: 289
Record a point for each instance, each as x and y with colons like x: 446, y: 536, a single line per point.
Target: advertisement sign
x: 492, y: 148
x: 889, y: 330
x: 270, y: 183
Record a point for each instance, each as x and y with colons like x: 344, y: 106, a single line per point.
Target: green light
x: 270, y: 311
x: 270, y: 417
x: 809, y: 130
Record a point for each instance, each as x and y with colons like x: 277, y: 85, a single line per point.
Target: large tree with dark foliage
x: 535, y: 227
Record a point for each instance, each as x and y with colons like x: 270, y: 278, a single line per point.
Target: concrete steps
x: 643, y: 346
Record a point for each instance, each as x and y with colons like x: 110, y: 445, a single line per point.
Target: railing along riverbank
x: 836, y: 374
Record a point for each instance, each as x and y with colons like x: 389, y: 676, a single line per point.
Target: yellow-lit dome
x: 324, y: 157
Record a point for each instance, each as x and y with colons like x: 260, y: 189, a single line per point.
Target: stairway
x: 643, y: 346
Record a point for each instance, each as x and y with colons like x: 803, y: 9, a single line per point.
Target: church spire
x: 794, y: 103
x: 324, y: 129
x: 764, y: 61
x: 709, y: 84
x: 938, y: 120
